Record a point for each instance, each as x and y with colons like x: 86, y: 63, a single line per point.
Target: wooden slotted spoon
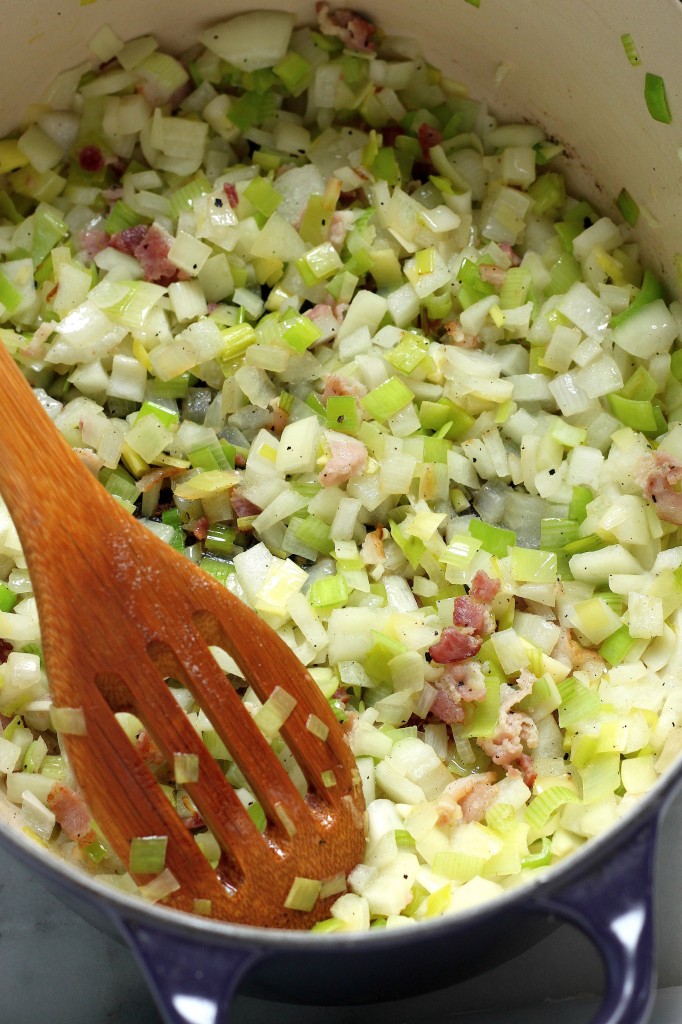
x: 120, y: 611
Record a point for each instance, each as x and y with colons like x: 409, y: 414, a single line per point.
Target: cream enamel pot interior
x: 566, y: 71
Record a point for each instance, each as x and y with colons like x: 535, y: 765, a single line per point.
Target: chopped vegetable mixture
x: 322, y: 324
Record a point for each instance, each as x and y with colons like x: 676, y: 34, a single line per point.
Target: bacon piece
x: 72, y: 814
x: 148, y: 751
x: 232, y: 194
x: 91, y: 158
x: 128, y: 240
x: 90, y: 459
x: 573, y: 655
x: 428, y: 136
x: 280, y: 418
x: 242, y: 506
x: 491, y: 273
x: 201, y: 526
x: 336, y: 384
x: 454, y: 645
x: 339, y: 227
x: 157, y: 476
x: 484, y: 588
x: 467, y: 798
x: 152, y: 254
x: 657, y: 473
x: 327, y: 318
x: 456, y: 335
x: 469, y: 614
x: 446, y: 708
x: 347, y: 459
x: 373, y: 552
x: 93, y: 240
x: 471, y: 622
x: 514, y: 730
x: 5, y: 651
x: 508, y: 251
x: 351, y: 28
x: 465, y: 678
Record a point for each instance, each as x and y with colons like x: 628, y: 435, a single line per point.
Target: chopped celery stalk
x: 147, y: 855
x: 580, y: 499
x: 656, y: 98
x: 635, y: 414
x: 262, y: 195
x: 538, y: 858
x: 495, y: 540
x: 628, y: 207
x: 342, y: 414
x: 630, y: 49
x: 387, y: 399
x: 542, y: 807
x: 8, y: 599
x: 555, y: 533
x: 121, y: 217
x: 615, y: 648
x: 651, y: 290
x: 534, y: 566
x: 328, y: 592
x: 577, y: 702
x: 300, y: 332
x: 303, y: 894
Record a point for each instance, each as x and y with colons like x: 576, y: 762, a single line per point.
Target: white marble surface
x: 57, y: 969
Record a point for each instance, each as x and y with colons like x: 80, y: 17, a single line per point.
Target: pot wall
x: 565, y: 69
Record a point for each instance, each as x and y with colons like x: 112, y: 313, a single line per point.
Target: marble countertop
x: 54, y: 967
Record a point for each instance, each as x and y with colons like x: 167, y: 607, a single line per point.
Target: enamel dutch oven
x: 567, y: 71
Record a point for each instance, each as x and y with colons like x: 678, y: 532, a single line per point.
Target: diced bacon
x: 336, y: 384
x: 493, y: 274
x: 470, y: 615
x: 93, y: 240
x: 467, y: 798
x: 428, y: 137
x: 280, y: 418
x: 483, y: 588
x: 339, y: 227
x: 157, y: 476
x: 232, y: 194
x: 152, y: 254
x: 148, y: 751
x: 128, y: 240
x: 90, y: 459
x: 242, y: 506
x: 464, y: 678
x: 72, y: 814
x: 454, y: 645
x: 201, y: 526
x: 348, y: 458
x: 514, y: 730
x: 327, y: 319
x: 573, y: 655
x: 193, y: 821
x: 351, y: 28
x: 471, y: 622
x: 5, y: 651
x: 373, y: 552
x: 457, y: 336
x: 91, y: 158
x: 446, y: 708
x: 508, y: 251
x: 524, y: 764
x: 657, y: 474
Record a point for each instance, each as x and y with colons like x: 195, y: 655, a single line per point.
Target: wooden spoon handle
x: 42, y: 481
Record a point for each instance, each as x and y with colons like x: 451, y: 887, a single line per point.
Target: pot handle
x: 192, y: 981
x: 613, y: 906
